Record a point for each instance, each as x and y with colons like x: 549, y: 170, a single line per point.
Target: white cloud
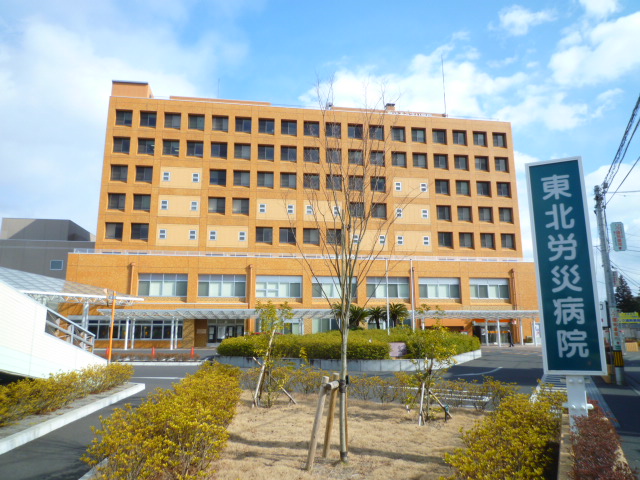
x: 517, y: 20
x: 603, y: 53
x: 539, y: 105
x: 600, y: 8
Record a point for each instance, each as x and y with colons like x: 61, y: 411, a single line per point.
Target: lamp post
x: 113, y: 315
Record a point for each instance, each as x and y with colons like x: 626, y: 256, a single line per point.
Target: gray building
x: 41, y: 245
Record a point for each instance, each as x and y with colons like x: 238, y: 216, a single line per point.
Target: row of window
x: 242, y: 151
x: 267, y: 126
x: 290, y: 286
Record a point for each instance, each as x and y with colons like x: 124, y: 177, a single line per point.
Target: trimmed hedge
x: 362, y: 345
x: 43, y: 395
x: 174, y: 434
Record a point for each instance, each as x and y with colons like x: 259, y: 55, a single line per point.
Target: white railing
x: 65, y: 329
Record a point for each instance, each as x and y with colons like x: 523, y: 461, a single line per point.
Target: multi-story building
x: 209, y: 206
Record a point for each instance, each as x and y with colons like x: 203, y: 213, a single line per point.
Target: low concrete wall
x: 402, y: 365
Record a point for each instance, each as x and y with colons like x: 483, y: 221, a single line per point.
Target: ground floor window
x: 142, y: 329
x: 324, y: 324
x: 492, y: 288
x: 278, y: 286
x: 439, y: 288
x: 222, y: 285
x: 398, y: 287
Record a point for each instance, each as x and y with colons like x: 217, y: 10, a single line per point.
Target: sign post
x: 571, y: 334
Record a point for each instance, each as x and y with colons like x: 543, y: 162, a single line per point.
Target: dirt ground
x: 385, y: 443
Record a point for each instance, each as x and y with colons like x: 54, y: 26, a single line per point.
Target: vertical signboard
x: 617, y: 237
x: 572, y: 337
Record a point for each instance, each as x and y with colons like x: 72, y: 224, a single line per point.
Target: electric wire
x: 622, y: 149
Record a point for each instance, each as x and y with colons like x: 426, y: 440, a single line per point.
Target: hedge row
x: 518, y: 440
x: 362, y: 345
x: 174, y: 434
x: 43, y: 395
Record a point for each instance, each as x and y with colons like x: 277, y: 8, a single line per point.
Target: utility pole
x: 614, y: 328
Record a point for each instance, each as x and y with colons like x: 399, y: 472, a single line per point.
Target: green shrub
x: 174, y: 434
x: 516, y: 441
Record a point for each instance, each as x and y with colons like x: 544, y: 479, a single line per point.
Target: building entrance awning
x: 207, y: 313
x: 480, y: 314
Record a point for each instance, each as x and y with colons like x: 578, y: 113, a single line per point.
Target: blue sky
x: 565, y: 73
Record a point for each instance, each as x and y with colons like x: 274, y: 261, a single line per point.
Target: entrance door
x: 230, y: 331
x: 212, y: 336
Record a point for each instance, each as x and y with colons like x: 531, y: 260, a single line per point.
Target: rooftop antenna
x: 444, y: 92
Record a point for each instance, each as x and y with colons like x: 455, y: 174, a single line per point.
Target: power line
x: 625, y: 177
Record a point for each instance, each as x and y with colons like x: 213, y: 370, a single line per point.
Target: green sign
x: 572, y: 338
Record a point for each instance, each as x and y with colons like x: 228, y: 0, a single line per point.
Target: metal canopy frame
x: 480, y: 314
x: 207, y: 313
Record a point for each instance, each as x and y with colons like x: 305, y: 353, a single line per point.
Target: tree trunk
x: 344, y: 448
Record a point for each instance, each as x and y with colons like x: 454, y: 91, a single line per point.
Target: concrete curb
x: 10, y: 442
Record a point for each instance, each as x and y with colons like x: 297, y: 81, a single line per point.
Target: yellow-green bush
x: 174, y: 434
x: 38, y: 396
x: 516, y: 441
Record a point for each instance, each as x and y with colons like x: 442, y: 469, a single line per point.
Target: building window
x: 502, y: 164
x: 219, y: 149
x: 356, y: 239
x: 144, y: 174
x: 288, y: 235
x: 195, y: 149
x: 242, y: 236
x: 288, y: 180
x: 419, y: 135
x: 116, y: 201
x: 487, y: 240
x: 376, y: 132
x: 146, y: 146
x: 484, y: 189
x: 499, y: 140
x: 334, y: 236
x: 492, y: 288
x: 311, y: 236
x: 440, y: 137
x: 242, y: 150
x: 311, y: 129
x: 220, y: 123
x: 288, y: 154
x: 441, y: 161
x: 243, y: 124
x: 376, y: 157
x: 324, y: 325
x: 334, y: 182
x: 139, y: 231
x: 506, y: 214
x: 397, y: 134
x: 485, y: 214
x: 439, y: 288
x: 218, y: 177
x: 425, y: 213
x: 262, y: 208
x: 291, y: 209
x: 463, y: 187
x: 482, y: 164
x: 420, y: 160
x: 162, y: 234
x: 442, y: 187
x: 311, y: 154
x: 266, y: 152
x: 266, y: 179
x: 379, y: 210
x: 311, y: 180
x: 164, y: 204
x: 333, y: 130
x: 119, y: 173
x: 196, y: 122
x: 398, y: 186
x: 309, y: 210
x: 195, y: 177
x: 424, y: 187
x: 444, y: 212
x: 268, y: 286
x: 480, y: 139
x: 162, y: 285
x: 289, y: 127
x: 508, y: 241
x: 378, y: 184
x: 264, y: 235
x: 459, y: 137
x: 426, y: 241
x: 171, y: 147
x: 466, y: 240
x: 355, y: 131
x: 336, y: 211
x: 334, y: 155
x: 166, y: 176
x: 193, y: 235
x: 445, y: 239
x: 143, y: 329
x: 503, y: 189
x: 172, y: 120
x: 400, y: 240
x: 217, y: 205
x: 356, y: 183
x: 241, y: 178
x: 113, y: 231
x: 121, y: 144
x: 329, y: 287
x: 464, y: 214
x: 148, y: 119
x: 266, y: 125
x: 399, y: 213
x: 356, y: 157
x: 124, y: 117
x: 399, y: 159
x: 461, y: 162
x: 382, y: 239
x: 213, y: 235
x: 222, y: 286
x: 398, y: 287
x: 142, y: 202
x: 240, y: 206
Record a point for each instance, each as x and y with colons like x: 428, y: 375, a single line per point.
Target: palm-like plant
x: 398, y: 313
x: 377, y: 314
x: 357, y: 316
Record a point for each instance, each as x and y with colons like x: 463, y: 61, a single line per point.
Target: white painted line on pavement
x: 158, y: 378
x: 472, y: 374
